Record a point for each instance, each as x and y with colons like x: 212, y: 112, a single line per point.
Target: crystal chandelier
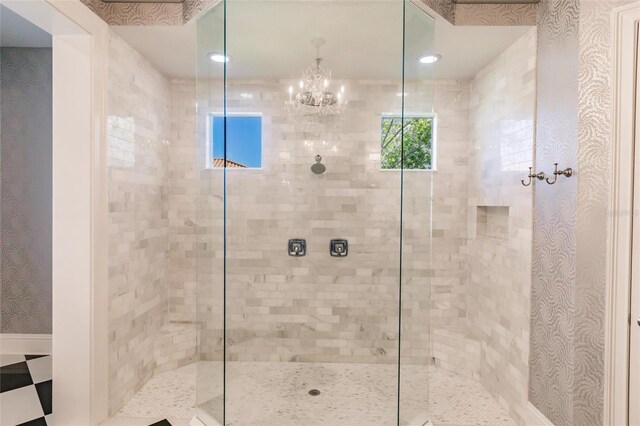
x: 315, y: 102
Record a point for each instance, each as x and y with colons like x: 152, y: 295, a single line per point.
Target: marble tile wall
x: 314, y: 308
x: 138, y: 133
x: 448, y: 274
x: 182, y: 198
x: 502, y: 118
x: 319, y: 308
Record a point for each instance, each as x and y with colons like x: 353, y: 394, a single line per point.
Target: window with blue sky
x: 244, y: 141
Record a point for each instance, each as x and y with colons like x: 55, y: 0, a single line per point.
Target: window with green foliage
x: 411, y: 135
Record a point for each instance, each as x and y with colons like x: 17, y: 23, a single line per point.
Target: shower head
x: 318, y: 168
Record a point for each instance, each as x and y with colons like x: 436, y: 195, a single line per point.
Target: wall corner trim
x: 25, y: 344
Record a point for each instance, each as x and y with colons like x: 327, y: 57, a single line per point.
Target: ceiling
x: 271, y: 39
x: 15, y: 31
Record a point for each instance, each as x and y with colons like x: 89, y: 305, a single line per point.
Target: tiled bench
x: 453, y: 349
x: 175, y: 346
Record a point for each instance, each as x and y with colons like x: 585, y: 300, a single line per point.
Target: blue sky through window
x: 244, y: 139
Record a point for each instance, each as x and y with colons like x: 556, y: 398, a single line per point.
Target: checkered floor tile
x: 25, y: 390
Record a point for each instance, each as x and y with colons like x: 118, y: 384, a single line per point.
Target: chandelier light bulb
x: 301, y: 84
x: 326, y: 83
x: 341, y: 89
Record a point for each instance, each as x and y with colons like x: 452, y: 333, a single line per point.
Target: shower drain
x: 314, y: 392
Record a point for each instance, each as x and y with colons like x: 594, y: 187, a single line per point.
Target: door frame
x: 619, y: 244
x: 80, y: 245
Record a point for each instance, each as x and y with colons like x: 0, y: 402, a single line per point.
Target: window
x: 416, y: 133
x: 244, y: 141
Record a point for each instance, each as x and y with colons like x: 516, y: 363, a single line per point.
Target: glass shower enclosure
x: 316, y: 154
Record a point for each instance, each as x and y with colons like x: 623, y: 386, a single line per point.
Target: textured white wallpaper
x: 25, y: 205
x: 594, y: 141
x: 123, y: 13
x: 554, y: 242
x: 570, y: 224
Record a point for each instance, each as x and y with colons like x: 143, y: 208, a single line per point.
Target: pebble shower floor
x: 259, y: 396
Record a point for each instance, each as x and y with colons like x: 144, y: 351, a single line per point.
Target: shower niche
x: 492, y: 222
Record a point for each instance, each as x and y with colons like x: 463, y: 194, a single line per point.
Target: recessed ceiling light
x: 430, y: 58
x: 246, y: 95
x: 400, y: 94
x: 219, y: 57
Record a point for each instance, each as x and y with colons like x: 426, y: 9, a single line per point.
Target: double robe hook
x: 568, y: 172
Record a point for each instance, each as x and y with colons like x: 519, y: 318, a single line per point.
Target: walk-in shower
x: 339, y: 234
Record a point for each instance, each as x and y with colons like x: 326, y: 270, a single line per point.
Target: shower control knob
x: 297, y: 247
x: 338, y: 248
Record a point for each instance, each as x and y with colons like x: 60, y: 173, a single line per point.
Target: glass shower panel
x: 209, y: 250
x: 312, y: 338
x: 419, y: 135
x: 300, y: 137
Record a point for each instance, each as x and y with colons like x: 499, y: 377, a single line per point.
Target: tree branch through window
x: 412, y: 136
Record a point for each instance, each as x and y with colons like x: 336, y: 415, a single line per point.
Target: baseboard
x: 533, y: 416
x: 25, y: 344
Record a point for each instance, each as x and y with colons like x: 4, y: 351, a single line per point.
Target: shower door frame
x: 634, y: 335
x: 79, y: 194
x: 620, y: 240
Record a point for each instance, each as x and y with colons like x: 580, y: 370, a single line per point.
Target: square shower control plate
x: 297, y: 247
x: 339, y: 248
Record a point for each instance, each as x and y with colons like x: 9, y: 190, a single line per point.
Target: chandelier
x: 315, y: 102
